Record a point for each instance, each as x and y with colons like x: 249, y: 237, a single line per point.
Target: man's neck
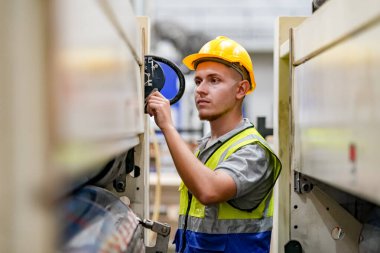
x: 224, y: 124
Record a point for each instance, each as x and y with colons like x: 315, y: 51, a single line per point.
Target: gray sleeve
x: 252, y: 170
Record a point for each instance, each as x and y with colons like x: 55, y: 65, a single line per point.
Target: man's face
x: 216, y: 88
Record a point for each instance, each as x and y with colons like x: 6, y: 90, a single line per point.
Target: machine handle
x: 155, y: 78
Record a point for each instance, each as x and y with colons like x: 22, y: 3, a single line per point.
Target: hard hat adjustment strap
x: 235, y: 65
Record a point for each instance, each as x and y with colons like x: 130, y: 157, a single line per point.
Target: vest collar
x: 203, y: 141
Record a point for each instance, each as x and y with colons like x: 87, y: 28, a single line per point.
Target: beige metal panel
x: 138, y: 188
x: 338, y: 108
x: 333, y: 22
x: 316, y: 218
x: 281, y: 129
x: 284, y: 50
x: 25, y: 218
x: 96, y: 80
x: 120, y: 13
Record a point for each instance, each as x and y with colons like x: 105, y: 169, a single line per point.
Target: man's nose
x: 202, y: 87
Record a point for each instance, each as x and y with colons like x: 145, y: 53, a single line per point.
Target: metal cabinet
x: 71, y: 98
x: 327, y: 109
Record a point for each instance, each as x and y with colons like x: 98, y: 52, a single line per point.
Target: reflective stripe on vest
x: 220, y: 218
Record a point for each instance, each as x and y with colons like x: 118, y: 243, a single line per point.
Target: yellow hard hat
x: 227, y: 50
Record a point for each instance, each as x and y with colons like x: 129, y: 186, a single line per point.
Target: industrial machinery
x: 74, y: 135
x: 326, y: 132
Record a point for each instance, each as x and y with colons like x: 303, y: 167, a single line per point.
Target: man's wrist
x: 167, y: 129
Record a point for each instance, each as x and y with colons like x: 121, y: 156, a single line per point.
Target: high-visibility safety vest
x: 222, y: 227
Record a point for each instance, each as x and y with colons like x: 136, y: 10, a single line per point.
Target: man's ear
x: 242, y: 89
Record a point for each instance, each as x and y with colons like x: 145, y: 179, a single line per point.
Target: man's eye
x: 197, y: 82
x: 214, y: 80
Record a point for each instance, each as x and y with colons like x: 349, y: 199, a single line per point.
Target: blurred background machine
x: 74, y: 135
x: 327, y: 97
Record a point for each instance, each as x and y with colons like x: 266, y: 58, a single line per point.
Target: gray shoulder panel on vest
x: 252, y: 169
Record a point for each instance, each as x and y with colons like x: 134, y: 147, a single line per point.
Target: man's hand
x: 159, y: 107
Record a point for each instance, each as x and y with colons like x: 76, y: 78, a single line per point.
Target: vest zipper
x: 189, y: 199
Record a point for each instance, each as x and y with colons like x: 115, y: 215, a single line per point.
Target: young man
x: 226, y: 200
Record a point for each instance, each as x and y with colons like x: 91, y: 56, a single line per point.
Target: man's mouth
x: 202, y: 101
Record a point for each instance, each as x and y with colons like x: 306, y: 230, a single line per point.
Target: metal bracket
x: 320, y: 224
x: 163, y: 232
x: 129, y: 166
x: 302, y: 184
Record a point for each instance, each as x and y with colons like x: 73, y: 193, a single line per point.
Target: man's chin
x: 206, y: 117
x: 202, y: 117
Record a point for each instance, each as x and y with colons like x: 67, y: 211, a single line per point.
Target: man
x: 226, y: 201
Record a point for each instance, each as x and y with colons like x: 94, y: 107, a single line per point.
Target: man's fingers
x: 152, y: 107
x: 159, y: 94
x: 157, y: 97
x: 155, y: 103
x: 151, y: 93
x: 152, y: 111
